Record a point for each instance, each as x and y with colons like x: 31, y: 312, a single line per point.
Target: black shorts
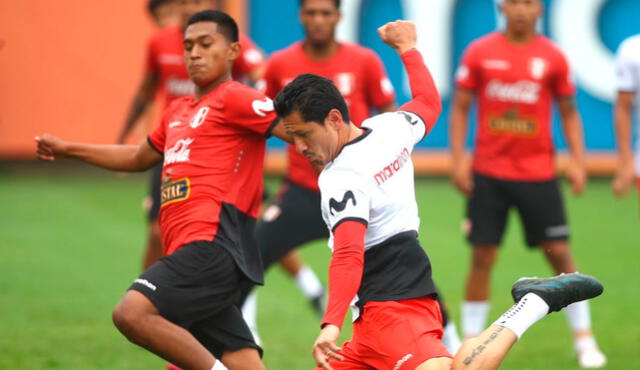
x: 196, y: 288
x: 155, y: 180
x: 293, y: 219
x: 539, y: 204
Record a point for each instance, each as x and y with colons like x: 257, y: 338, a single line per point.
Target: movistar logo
x: 341, y: 205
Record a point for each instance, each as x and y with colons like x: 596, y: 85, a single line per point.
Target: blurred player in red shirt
x: 166, y: 77
x: 378, y: 265
x: 212, y: 147
x: 164, y: 12
x: 515, y: 75
x: 293, y: 219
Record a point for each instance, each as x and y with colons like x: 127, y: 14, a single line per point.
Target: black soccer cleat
x: 558, y: 291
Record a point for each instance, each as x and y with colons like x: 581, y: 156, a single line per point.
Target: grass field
x: 71, y: 241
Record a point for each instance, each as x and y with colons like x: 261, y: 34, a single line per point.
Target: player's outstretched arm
x: 128, y: 158
x: 401, y: 36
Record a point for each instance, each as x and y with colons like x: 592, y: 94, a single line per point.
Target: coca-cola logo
x: 179, y: 152
x: 518, y: 92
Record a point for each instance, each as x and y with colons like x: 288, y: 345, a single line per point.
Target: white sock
x: 250, y: 314
x: 450, y: 338
x: 585, y: 343
x: 523, y: 314
x: 474, y: 317
x: 308, y: 282
x: 219, y: 366
x: 579, y: 316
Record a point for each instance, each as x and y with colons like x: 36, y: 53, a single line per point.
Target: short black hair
x: 227, y: 26
x: 313, y: 97
x: 336, y: 2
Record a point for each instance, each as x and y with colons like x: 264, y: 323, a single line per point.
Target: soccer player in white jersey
x: 378, y: 265
x: 628, y: 85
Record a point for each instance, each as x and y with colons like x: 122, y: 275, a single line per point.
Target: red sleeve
x: 250, y: 56
x: 378, y: 88
x: 562, y: 84
x: 426, y: 99
x: 467, y: 73
x: 151, y: 64
x: 345, y: 270
x: 248, y: 108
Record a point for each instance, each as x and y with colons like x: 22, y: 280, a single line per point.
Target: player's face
x: 522, y: 15
x: 319, y: 19
x: 208, y: 54
x: 317, y: 142
x: 191, y: 7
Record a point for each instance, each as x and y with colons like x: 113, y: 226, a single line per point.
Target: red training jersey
x: 213, y: 152
x: 165, y: 56
x: 356, y: 71
x: 514, y: 86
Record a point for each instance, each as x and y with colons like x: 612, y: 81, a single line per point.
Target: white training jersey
x: 371, y: 181
x: 628, y: 79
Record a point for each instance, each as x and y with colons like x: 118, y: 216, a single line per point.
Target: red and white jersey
x: 213, y: 152
x: 165, y: 56
x: 628, y: 79
x: 514, y: 86
x: 356, y: 71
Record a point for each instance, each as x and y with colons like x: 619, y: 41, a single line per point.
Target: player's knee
x: 126, y: 317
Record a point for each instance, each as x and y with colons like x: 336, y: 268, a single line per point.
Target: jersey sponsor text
x: 392, y: 168
x: 174, y: 191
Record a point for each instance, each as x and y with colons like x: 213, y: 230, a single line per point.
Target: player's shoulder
x: 292, y: 51
x: 234, y: 91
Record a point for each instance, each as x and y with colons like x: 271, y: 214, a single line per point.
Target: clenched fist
x: 400, y: 35
x: 50, y: 147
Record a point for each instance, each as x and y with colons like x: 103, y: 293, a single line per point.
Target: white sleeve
x: 627, y: 69
x: 344, y: 198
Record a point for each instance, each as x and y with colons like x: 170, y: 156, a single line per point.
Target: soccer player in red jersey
x: 164, y: 12
x: 166, y: 76
x: 515, y: 75
x: 294, y: 217
x: 368, y: 203
x: 212, y: 145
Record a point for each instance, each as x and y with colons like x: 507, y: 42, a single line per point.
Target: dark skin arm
x: 576, y: 171
x: 142, y: 99
x: 129, y: 158
x: 458, y: 121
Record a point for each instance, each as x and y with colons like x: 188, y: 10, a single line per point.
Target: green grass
x: 71, y: 243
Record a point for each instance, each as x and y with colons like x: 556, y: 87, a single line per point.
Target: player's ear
x: 234, y: 50
x: 334, y: 119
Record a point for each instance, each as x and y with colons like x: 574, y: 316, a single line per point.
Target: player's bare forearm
x: 622, y: 120
x: 572, y: 127
x: 128, y: 158
x: 458, y: 119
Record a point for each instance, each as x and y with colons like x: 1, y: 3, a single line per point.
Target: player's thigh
x: 542, y: 213
x: 196, y: 281
x: 352, y: 360
x: 227, y: 336
x: 487, y: 210
x: 401, y: 334
x: 294, y: 219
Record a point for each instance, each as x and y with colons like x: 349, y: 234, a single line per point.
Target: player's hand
x: 325, y: 346
x: 462, y: 177
x: 50, y: 147
x: 400, y: 35
x: 623, y: 178
x: 577, y: 175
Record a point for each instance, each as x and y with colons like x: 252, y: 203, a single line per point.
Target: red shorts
x: 394, y: 335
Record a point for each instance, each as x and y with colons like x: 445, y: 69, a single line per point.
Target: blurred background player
x: 628, y: 84
x: 166, y: 76
x: 515, y: 74
x: 164, y: 12
x: 294, y: 218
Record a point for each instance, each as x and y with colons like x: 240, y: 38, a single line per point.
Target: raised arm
x: 401, y: 36
x: 128, y: 158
